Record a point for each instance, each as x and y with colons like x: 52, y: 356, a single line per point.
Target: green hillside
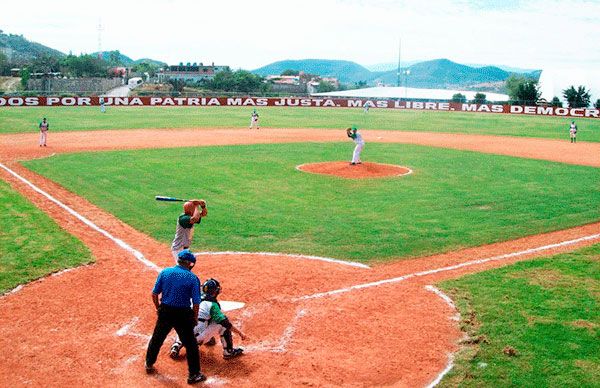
x: 345, y: 71
x: 19, y: 50
x: 117, y: 58
x: 443, y: 73
x: 438, y: 73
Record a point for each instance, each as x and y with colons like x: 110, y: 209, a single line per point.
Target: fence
x: 33, y: 101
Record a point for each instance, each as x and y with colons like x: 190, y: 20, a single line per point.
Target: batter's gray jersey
x: 182, y: 233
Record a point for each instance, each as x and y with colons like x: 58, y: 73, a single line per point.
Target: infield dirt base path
x: 90, y: 326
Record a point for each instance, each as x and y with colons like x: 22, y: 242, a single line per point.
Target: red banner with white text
x: 40, y: 101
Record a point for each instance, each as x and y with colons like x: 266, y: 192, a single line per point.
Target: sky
x: 532, y: 34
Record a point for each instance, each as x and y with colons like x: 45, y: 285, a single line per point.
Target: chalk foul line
x: 291, y: 255
x: 284, y: 340
x: 449, y: 268
x: 455, y: 317
x: 137, y: 254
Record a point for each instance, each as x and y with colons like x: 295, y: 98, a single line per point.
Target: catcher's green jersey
x: 211, y: 310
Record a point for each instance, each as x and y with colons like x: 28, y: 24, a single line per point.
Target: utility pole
x: 399, y: 52
x: 100, y: 38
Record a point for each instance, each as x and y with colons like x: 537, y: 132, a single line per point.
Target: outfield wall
x: 298, y: 102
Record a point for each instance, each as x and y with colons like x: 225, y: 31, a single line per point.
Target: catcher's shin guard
x: 227, y: 340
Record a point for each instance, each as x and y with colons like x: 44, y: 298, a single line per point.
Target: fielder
x: 102, y: 107
x: 212, y: 322
x: 254, y: 120
x: 193, y: 212
x: 360, y: 143
x: 44, y: 126
x: 573, y: 132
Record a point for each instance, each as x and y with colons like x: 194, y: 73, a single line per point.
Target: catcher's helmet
x: 211, y: 287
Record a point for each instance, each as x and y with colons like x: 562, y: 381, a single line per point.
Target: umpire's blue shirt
x: 177, y: 285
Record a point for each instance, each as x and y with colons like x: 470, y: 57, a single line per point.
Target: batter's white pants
x: 253, y: 123
x: 43, y: 137
x: 356, y: 153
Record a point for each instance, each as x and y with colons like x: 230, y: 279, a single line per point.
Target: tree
x: 246, y: 82
x: 83, y: 66
x: 45, y: 64
x: 4, y: 65
x: 512, y: 85
x: 178, y: 84
x: 290, y: 72
x: 556, y: 102
x: 237, y: 81
x: 577, y: 98
x: 528, y: 93
x: 479, y: 98
x: 597, y: 104
x: 145, y: 67
x: 25, y: 75
x: 522, y: 90
x: 114, y: 58
x: 459, y: 97
x: 325, y: 87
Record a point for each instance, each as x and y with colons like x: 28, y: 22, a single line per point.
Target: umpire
x: 178, y: 285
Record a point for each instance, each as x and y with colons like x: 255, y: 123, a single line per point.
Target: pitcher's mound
x: 359, y: 171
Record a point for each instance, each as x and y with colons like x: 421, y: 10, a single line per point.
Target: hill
x: 436, y: 74
x: 19, y: 50
x: 119, y: 59
x: 444, y: 74
x: 345, y: 71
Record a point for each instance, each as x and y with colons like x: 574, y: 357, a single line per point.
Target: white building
x: 412, y: 94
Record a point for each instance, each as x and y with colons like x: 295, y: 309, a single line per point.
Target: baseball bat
x: 169, y: 199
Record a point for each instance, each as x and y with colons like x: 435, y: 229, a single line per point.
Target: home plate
x: 227, y: 305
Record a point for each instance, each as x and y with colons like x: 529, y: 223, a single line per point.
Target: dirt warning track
x: 310, y: 322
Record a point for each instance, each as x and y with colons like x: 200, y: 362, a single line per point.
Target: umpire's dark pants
x: 183, y: 321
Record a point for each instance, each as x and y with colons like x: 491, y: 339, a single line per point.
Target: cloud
x: 245, y: 34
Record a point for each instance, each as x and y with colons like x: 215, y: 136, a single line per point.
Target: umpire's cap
x: 187, y: 256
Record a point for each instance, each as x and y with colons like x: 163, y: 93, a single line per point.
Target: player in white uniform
x: 102, y: 107
x: 360, y: 143
x: 44, y: 126
x: 254, y: 120
x: 573, y: 132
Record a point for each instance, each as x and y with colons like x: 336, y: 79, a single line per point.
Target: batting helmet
x: 211, y: 287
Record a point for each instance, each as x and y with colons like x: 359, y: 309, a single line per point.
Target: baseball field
x: 477, y: 268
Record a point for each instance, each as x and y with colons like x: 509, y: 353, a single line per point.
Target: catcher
x: 360, y: 143
x: 212, y: 322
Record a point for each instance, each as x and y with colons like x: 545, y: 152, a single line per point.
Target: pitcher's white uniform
x: 360, y: 143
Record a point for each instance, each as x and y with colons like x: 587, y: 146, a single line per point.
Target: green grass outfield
x: 258, y: 201
x: 548, y: 310
x: 31, y: 243
x: 19, y: 119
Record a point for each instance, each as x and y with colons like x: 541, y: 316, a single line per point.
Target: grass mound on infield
x: 258, y: 201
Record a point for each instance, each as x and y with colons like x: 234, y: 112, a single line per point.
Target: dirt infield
x: 358, y: 171
x: 310, y: 322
